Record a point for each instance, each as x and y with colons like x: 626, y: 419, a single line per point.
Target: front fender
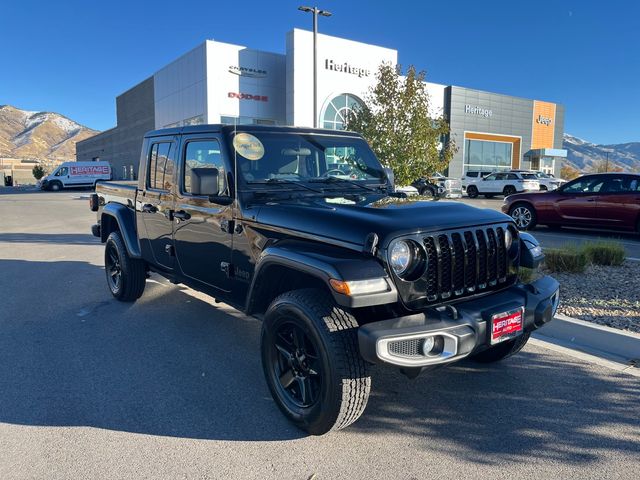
x: 324, y: 263
x: 124, y: 218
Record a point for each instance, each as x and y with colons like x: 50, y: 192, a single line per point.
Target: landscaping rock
x: 604, y: 295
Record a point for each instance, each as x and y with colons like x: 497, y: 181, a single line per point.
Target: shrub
x: 38, y: 172
x: 604, y: 252
x: 569, y: 258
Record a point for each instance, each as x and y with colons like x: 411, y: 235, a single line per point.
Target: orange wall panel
x: 544, y: 123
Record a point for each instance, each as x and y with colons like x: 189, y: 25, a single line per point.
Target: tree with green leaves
x: 38, y: 172
x: 395, y: 121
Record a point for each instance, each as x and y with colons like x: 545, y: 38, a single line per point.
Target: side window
x: 160, y: 171
x: 472, y: 174
x: 584, y: 185
x: 491, y: 177
x: 203, y: 154
x: 616, y: 185
x: 63, y: 172
x: 512, y: 176
x: 635, y: 185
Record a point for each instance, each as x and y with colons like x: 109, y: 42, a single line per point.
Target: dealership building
x: 223, y: 83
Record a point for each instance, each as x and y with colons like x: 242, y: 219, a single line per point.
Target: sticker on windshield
x: 248, y: 146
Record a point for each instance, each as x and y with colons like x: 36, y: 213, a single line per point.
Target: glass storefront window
x: 337, y: 111
x: 486, y: 155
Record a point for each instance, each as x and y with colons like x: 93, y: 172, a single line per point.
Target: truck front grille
x: 464, y: 262
x: 461, y: 263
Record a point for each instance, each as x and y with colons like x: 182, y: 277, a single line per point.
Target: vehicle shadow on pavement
x: 172, y: 364
x: 58, y: 238
x: 529, y: 408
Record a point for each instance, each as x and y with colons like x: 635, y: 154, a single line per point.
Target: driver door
x: 577, y: 201
x: 202, y: 230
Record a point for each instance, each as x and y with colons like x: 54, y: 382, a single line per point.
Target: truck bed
x: 123, y: 192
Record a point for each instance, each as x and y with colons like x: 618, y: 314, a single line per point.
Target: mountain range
x: 49, y: 135
x: 586, y: 156
x: 39, y: 135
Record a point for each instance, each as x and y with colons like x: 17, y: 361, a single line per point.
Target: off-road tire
x: 472, y: 191
x: 133, y: 272
x: 502, y: 350
x: 509, y: 190
x: 515, y: 211
x: 55, y: 186
x: 345, y: 383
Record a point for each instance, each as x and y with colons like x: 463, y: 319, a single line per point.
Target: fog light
x: 427, y: 345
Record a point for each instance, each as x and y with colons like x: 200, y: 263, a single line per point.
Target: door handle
x: 181, y: 215
x: 148, y: 208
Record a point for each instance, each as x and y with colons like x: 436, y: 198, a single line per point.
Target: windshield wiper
x: 347, y: 181
x: 282, y: 181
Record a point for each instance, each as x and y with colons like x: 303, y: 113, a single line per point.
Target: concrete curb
x: 610, y: 343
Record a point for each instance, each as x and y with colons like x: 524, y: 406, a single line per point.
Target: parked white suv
x: 473, y: 177
x: 547, y: 181
x: 504, y: 183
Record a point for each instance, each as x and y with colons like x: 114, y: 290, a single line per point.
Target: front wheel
x: 126, y: 276
x: 427, y: 192
x: 524, y: 215
x: 502, y: 350
x: 55, y: 186
x: 311, y: 361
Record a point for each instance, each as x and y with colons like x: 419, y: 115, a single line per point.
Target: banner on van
x: 89, y: 170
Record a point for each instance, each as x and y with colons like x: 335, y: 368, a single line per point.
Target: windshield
x: 290, y: 157
x: 529, y: 176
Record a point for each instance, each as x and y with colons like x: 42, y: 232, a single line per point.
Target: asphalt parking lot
x: 553, y: 238
x: 172, y: 387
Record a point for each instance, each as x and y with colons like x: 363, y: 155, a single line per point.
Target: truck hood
x: 388, y: 218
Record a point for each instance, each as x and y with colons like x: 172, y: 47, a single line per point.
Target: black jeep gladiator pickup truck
x: 301, y: 228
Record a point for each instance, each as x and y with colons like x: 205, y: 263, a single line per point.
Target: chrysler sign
x: 247, y: 71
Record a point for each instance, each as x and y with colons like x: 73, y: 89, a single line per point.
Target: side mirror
x: 389, y: 173
x: 204, y: 181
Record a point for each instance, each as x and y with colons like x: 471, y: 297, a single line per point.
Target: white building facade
x: 223, y: 83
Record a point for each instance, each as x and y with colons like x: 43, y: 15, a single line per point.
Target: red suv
x: 604, y: 200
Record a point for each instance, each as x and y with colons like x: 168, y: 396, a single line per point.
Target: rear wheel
x: 126, y: 276
x: 472, y: 191
x: 312, y: 363
x: 524, y: 216
x: 543, y: 188
x: 502, y: 350
x: 509, y: 190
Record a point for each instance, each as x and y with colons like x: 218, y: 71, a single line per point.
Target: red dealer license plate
x: 506, y: 325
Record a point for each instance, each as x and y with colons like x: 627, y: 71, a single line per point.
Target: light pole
x: 316, y: 11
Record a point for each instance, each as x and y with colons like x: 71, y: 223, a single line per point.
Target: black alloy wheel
x: 543, y: 188
x: 113, y: 267
x: 311, y: 361
x: 126, y: 276
x: 472, y: 191
x: 296, y: 365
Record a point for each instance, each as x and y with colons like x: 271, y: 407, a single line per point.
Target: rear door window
x: 161, y: 167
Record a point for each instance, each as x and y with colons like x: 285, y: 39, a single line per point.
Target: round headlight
x: 401, y: 257
x: 508, y: 239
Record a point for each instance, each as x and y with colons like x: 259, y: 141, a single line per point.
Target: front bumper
x: 461, y: 327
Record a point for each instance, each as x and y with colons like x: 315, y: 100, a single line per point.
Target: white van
x: 76, y: 174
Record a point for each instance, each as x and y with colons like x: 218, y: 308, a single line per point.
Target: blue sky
x: 74, y: 57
